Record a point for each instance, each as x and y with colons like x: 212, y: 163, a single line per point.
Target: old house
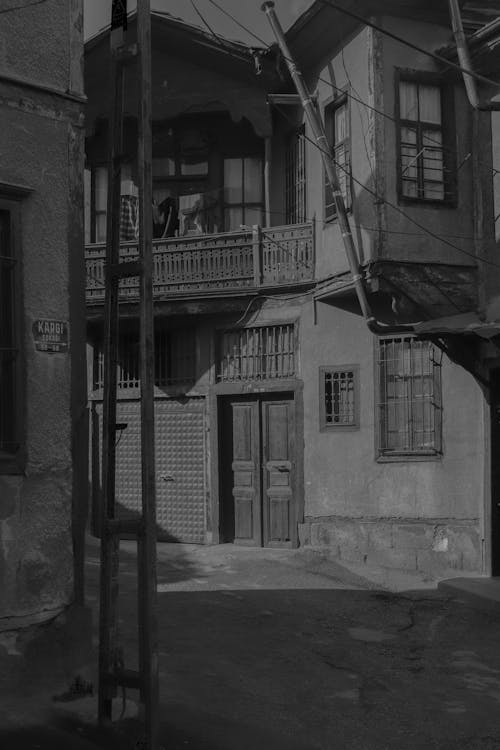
x: 43, y: 422
x: 280, y: 417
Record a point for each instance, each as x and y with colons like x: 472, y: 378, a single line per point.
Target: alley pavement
x: 274, y: 649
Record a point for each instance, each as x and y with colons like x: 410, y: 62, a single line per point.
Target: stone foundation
x: 435, y: 547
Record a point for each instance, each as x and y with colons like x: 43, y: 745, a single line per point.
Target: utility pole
x: 112, y: 670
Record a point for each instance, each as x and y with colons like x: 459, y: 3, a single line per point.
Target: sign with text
x: 50, y: 335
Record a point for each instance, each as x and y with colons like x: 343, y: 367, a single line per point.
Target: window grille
x: 174, y: 359
x: 410, y: 397
x: 338, y: 131
x: 8, y: 338
x: 257, y: 353
x: 339, y: 397
x: 423, y: 171
x: 295, y: 178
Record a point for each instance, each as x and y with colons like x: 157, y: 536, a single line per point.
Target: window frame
x: 296, y: 176
x: 329, y: 118
x: 323, y: 425
x: 388, y: 455
x: 448, y: 136
x: 14, y: 463
x: 242, y: 204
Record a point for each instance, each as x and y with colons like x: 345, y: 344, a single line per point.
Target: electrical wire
x: 407, y: 43
x: 396, y: 208
x: 353, y: 96
x: 22, y: 7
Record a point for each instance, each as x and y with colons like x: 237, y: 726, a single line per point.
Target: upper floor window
x: 295, y: 177
x: 243, y: 192
x: 423, y: 162
x: 338, y: 133
x: 175, y: 359
x: 410, y: 397
x: 10, y: 375
x: 257, y: 353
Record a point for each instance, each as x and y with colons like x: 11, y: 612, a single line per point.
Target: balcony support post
x: 257, y: 254
x: 267, y: 180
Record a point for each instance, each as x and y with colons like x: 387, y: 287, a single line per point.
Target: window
x: 257, y: 353
x: 174, y: 359
x: 295, y: 178
x: 10, y: 375
x: 339, y: 397
x: 243, y: 192
x: 337, y: 130
x: 423, y: 168
x: 410, y: 397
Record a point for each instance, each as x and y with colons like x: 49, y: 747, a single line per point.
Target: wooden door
x: 257, y: 472
x: 241, y: 510
x: 278, y: 449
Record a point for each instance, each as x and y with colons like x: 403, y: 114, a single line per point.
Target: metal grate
x: 410, y: 397
x: 174, y: 359
x: 257, y: 353
x: 295, y: 178
x: 339, y: 396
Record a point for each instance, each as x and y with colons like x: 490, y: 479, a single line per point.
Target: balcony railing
x: 213, y: 262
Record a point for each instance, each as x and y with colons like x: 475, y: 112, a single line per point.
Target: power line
x: 407, y: 43
x: 357, y: 98
x: 22, y: 7
x: 427, y: 231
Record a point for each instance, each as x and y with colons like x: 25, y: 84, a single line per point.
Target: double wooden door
x: 258, y: 470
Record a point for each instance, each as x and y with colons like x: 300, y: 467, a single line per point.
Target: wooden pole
x: 147, y: 597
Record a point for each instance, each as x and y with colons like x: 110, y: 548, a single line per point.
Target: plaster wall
x: 344, y: 481
x: 41, y: 141
x: 496, y: 162
x: 348, y: 69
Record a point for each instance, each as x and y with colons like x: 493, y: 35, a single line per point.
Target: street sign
x: 50, y: 335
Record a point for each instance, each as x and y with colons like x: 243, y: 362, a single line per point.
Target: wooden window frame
x: 13, y: 462
x: 243, y: 204
x: 296, y: 184
x: 329, y: 209
x: 325, y: 426
x: 386, y: 454
x: 448, y: 134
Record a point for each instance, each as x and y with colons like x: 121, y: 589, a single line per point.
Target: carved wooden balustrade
x: 211, y: 262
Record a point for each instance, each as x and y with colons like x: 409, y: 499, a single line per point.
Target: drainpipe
x: 465, y: 61
x: 319, y: 134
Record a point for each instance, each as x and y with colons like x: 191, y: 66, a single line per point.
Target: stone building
x: 43, y: 422
x: 281, y: 418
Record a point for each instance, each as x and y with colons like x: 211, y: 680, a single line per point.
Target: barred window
x: 295, y: 177
x: 339, y: 397
x: 424, y: 169
x: 174, y: 359
x: 257, y: 353
x: 410, y: 408
x: 337, y: 127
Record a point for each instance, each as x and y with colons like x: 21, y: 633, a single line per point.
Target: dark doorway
x: 258, y: 487
x: 495, y: 471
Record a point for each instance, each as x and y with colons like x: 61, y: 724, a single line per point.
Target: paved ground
x: 270, y: 649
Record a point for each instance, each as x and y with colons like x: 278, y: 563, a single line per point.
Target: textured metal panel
x: 180, y: 466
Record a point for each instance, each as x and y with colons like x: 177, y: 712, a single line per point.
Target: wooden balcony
x: 213, y: 263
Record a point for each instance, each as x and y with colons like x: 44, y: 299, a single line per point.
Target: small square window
x: 339, y: 397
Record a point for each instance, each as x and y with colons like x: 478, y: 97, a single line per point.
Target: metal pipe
x: 465, y: 61
x: 318, y: 130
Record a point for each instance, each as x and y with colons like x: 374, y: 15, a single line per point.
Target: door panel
x: 277, y: 453
x: 245, y: 468
x: 495, y: 471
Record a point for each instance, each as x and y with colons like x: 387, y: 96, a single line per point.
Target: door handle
x: 167, y: 478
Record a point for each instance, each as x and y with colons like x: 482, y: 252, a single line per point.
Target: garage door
x: 180, y: 466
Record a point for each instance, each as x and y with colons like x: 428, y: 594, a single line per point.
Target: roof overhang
x: 463, y: 323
